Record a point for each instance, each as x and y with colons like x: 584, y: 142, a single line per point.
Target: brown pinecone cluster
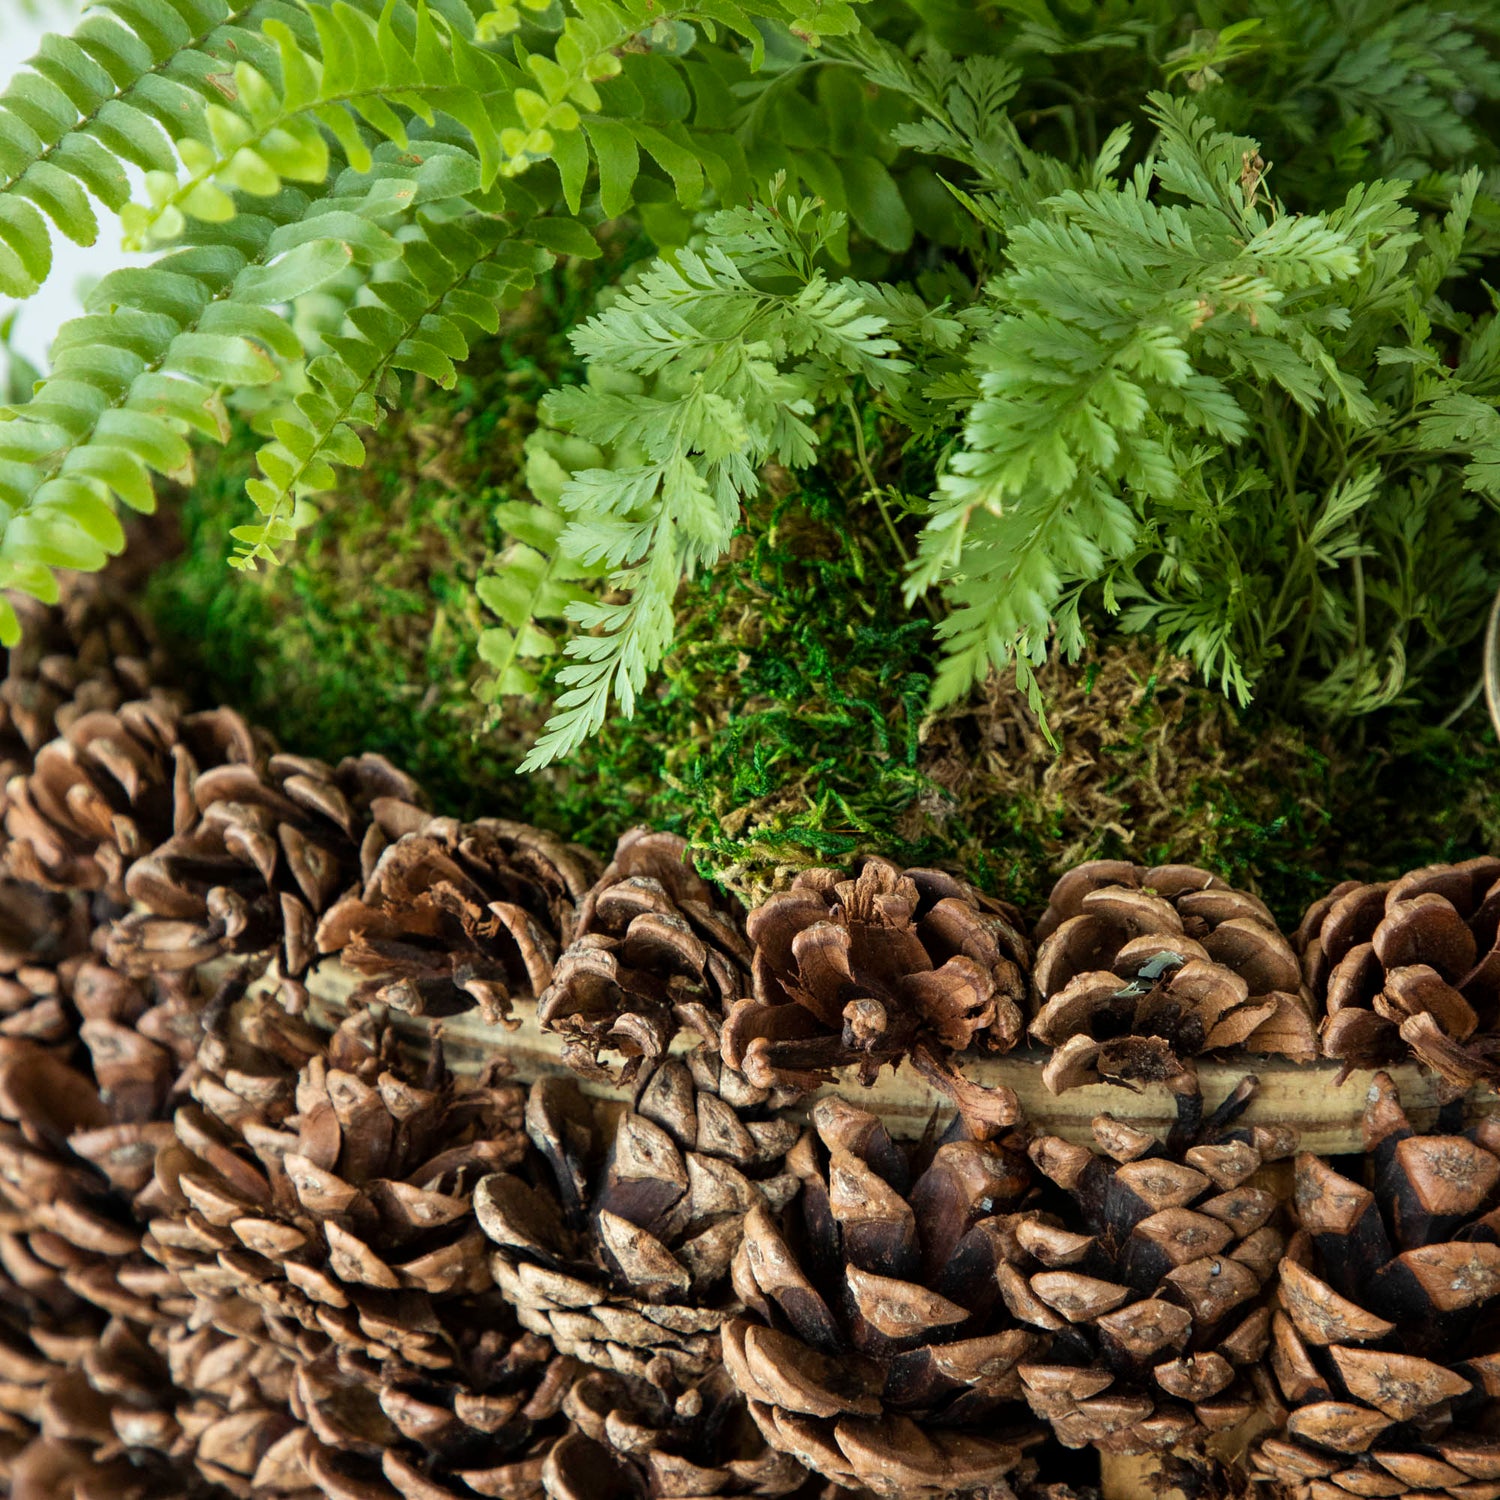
x: 89, y: 652
x: 1386, y: 1340
x: 655, y: 948
x: 1152, y: 1278
x: 875, y: 1343
x: 86, y: 1403
x: 1411, y: 968
x: 616, y: 1237
x: 244, y: 1256
x: 1139, y: 971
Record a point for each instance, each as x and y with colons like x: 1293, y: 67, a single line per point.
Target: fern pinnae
x: 448, y: 286
x: 130, y: 79
x: 149, y: 362
x: 369, y: 80
x: 735, y: 369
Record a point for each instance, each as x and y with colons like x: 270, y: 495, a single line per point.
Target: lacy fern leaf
x: 731, y: 370
x: 1120, y: 329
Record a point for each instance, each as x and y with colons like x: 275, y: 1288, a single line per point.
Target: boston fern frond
x: 533, y: 582
x: 448, y: 284
x: 134, y: 76
x: 148, y: 363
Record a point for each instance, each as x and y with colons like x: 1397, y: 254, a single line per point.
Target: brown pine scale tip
x: 89, y: 652
x: 1385, y: 1344
x: 875, y: 1344
x: 1142, y: 970
x: 1150, y: 1273
x: 615, y: 1238
x: 865, y: 970
x: 86, y: 1403
x: 653, y: 939
x: 451, y: 917
x: 1411, y: 968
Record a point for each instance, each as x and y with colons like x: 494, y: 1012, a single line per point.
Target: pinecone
x: 458, y: 916
x: 1411, y: 968
x: 1148, y: 1272
x: 114, y: 785
x: 630, y: 1440
x: 335, y: 1425
x: 1386, y: 1344
x: 78, y: 1296
x: 875, y: 1347
x: 85, y: 1413
x: 616, y: 1237
x: 652, y: 936
x: 44, y: 936
x: 233, y: 1394
x: 76, y: 1183
x: 89, y: 651
x: 321, y: 1187
x: 873, y: 968
x: 1140, y: 971
x: 259, y: 850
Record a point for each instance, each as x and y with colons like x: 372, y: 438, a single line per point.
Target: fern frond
x: 1123, y: 328
x: 134, y: 76
x: 533, y: 583
x: 366, y: 81
x: 734, y: 367
x: 149, y: 362
x: 448, y: 283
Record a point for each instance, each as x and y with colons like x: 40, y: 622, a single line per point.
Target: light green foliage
x: 1123, y: 398
x: 532, y: 584
x: 1214, y: 412
x: 733, y: 346
x: 401, y: 167
x: 17, y: 373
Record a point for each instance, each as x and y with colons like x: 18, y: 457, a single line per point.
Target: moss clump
x: 1155, y: 768
x: 366, y: 637
x: 787, y: 728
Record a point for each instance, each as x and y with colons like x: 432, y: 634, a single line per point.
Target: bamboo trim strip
x: 1326, y: 1115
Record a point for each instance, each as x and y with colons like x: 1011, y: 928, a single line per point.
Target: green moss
x: 787, y: 727
x: 365, y: 638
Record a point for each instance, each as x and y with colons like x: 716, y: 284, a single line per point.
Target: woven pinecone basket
x: 351, y: 1150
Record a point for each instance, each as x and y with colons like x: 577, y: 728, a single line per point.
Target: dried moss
x: 787, y: 727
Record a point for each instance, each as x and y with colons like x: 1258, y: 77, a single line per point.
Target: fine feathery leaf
x: 727, y: 370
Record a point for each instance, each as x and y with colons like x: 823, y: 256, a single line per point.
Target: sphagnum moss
x: 788, y: 726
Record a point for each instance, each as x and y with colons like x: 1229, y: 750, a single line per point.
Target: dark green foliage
x: 787, y: 726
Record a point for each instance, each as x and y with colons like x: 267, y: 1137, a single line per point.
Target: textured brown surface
x: 875, y: 1345
x: 260, y: 848
x: 452, y: 917
x: 1149, y: 1269
x: 91, y: 651
x: 1411, y: 968
x: 1385, y: 1351
x: 615, y: 1238
x: 652, y: 938
x: 86, y: 1405
x: 866, y: 970
x: 1142, y: 970
x: 323, y: 1184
